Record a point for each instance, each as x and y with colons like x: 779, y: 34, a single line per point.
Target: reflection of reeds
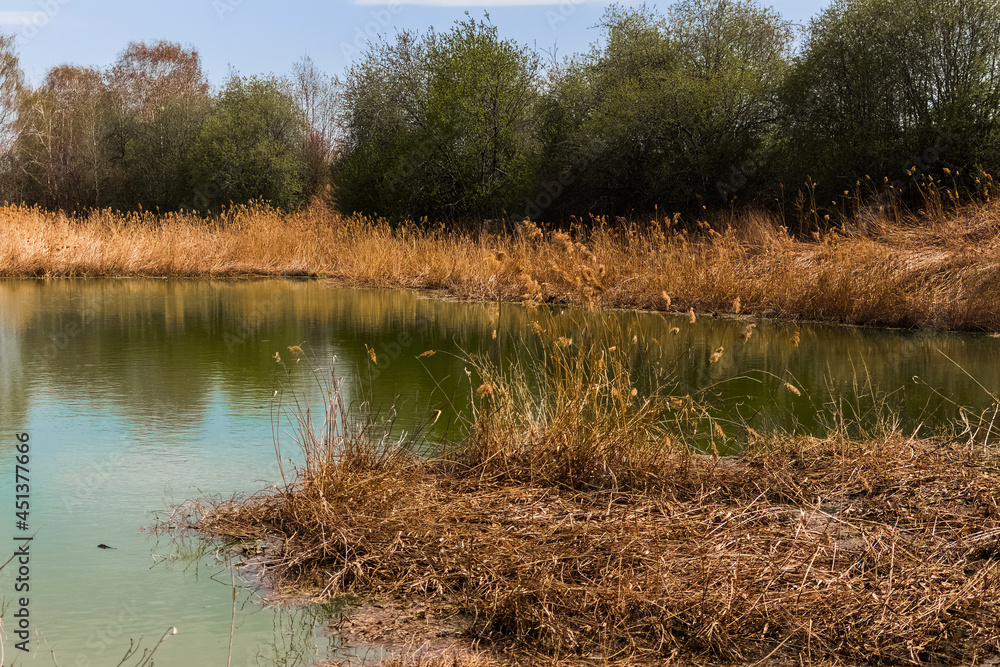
x: 888, y: 270
x: 571, y: 521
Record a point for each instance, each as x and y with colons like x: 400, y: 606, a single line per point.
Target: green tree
x: 671, y: 110
x: 885, y: 86
x: 442, y: 125
x: 385, y: 139
x: 161, y: 99
x: 249, y: 147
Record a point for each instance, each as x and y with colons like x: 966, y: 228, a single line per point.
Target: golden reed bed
x: 574, y: 525
x: 940, y: 271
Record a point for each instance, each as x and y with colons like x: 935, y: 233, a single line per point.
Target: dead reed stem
x: 886, y: 269
x: 576, y: 528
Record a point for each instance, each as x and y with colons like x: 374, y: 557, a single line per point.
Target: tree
x: 883, y: 87
x: 250, y: 147
x: 672, y: 111
x: 161, y: 97
x: 11, y: 82
x: 385, y: 139
x: 442, y: 125
x: 481, y: 112
x: 317, y: 96
x: 59, y: 148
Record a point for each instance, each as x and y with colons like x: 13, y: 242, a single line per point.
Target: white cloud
x: 471, y: 3
x: 22, y: 18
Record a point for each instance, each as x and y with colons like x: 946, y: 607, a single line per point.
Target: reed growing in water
x: 580, y: 519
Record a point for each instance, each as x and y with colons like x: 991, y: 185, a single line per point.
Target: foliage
x: 11, y: 80
x: 250, y: 147
x: 59, y: 148
x: 886, y: 88
x: 161, y: 98
x: 704, y: 106
x: 670, y: 108
x: 440, y: 125
x: 317, y: 96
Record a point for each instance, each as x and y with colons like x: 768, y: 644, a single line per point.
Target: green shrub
x: 250, y: 147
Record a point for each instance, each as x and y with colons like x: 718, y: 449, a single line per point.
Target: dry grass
x: 574, y: 525
x: 931, y: 270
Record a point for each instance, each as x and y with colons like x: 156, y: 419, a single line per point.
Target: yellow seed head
x: 691, y: 316
x: 675, y: 330
x: 747, y: 332
x: 428, y: 353
x: 371, y: 354
x: 792, y: 388
x: 795, y: 338
x: 716, y: 355
x: 666, y: 299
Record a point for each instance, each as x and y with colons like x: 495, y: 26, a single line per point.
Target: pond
x: 141, y: 394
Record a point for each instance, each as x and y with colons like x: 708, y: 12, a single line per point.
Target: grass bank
x: 576, y: 524
x: 935, y: 270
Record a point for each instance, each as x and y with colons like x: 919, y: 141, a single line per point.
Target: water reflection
x: 143, y: 393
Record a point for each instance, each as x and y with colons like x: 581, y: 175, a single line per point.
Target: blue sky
x: 258, y: 37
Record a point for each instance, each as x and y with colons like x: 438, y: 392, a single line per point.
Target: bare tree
x: 317, y: 96
x: 10, y: 85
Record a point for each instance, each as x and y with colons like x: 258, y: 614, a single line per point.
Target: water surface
x: 141, y: 394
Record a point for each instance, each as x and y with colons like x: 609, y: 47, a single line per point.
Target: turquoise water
x: 139, y: 395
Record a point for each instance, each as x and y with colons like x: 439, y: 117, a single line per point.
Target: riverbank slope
x: 940, y: 271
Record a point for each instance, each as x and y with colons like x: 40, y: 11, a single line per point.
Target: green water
x: 141, y: 394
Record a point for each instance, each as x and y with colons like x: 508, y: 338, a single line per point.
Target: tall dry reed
x: 575, y: 523
x: 882, y: 268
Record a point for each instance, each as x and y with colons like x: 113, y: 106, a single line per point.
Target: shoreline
x: 581, y: 519
x: 939, y: 274
x: 446, y: 599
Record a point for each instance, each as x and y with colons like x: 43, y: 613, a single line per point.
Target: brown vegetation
x: 574, y: 524
x: 936, y: 270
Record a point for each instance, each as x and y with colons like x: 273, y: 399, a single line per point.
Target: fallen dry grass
x: 582, y: 528
x: 882, y: 553
x: 932, y: 270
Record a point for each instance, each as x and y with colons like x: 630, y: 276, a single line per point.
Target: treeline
x: 148, y: 133
x: 710, y: 104
x: 713, y: 103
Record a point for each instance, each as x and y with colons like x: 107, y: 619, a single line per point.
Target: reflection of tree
x: 162, y: 352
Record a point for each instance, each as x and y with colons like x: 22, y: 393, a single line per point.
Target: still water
x: 141, y: 394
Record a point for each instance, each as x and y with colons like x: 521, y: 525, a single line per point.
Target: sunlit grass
x: 928, y: 268
x: 578, y: 517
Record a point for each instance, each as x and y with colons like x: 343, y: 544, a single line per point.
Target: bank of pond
x: 144, y: 396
